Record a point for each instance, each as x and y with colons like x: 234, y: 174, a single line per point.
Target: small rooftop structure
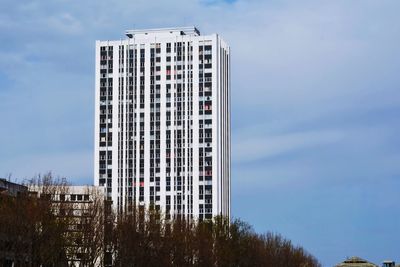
x: 388, y: 263
x: 176, y: 31
x: 356, y: 262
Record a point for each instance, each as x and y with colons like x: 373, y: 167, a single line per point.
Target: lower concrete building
x: 10, y: 188
x: 82, y: 220
x: 86, y: 211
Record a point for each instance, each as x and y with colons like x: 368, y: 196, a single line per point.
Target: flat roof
x: 191, y: 30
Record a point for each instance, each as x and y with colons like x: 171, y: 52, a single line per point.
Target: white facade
x: 162, y: 121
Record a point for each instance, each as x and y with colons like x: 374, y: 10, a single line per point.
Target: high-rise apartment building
x: 162, y: 121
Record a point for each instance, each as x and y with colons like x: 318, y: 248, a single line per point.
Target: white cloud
x: 65, y: 23
x: 252, y: 147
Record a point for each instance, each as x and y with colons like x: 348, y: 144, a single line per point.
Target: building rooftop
x: 167, y: 31
x: 356, y: 262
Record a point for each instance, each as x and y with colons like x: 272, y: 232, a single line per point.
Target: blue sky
x: 315, y: 107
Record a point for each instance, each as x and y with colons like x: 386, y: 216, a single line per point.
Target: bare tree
x: 48, y: 229
x: 92, y: 228
x: 49, y: 241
